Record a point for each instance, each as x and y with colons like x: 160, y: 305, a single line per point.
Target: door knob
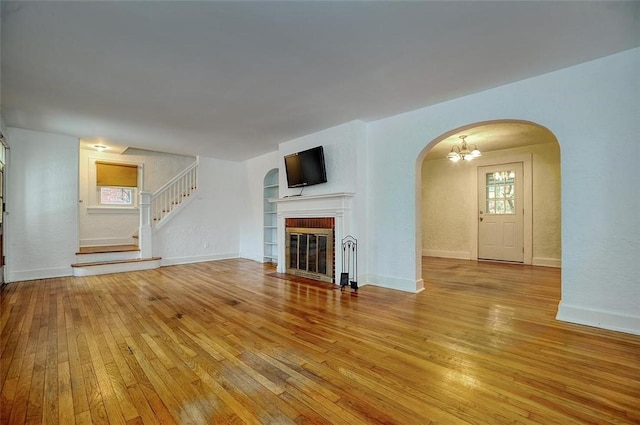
x: 480, y: 218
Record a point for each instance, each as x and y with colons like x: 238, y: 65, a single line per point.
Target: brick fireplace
x: 314, y: 224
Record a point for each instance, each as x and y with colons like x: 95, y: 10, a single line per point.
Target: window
x: 501, y: 194
x: 116, y: 186
x: 116, y: 196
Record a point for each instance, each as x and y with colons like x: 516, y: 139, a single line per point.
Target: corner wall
x: 252, y: 232
x: 208, y: 228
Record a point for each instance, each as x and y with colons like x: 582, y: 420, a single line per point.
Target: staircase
x: 174, y: 195
x: 155, y: 211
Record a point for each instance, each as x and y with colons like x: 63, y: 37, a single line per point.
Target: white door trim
x: 527, y: 181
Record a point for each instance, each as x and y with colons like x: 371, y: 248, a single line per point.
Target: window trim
x: 113, y: 210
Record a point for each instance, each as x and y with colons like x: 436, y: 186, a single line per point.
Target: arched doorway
x: 452, y: 209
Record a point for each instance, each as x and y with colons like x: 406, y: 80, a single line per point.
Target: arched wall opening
x: 447, y: 193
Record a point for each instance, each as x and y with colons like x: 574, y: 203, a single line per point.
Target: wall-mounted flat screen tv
x: 305, y: 168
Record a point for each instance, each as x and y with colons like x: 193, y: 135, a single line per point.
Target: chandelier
x: 464, y: 151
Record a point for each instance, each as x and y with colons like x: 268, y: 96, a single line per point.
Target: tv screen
x: 305, y: 168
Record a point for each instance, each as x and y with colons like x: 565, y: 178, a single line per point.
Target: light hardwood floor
x: 230, y: 342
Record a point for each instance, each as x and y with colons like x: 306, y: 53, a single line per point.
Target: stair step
x: 98, y: 254
x: 107, y: 248
x: 115, y: 266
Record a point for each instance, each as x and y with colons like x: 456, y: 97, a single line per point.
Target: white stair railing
x: 170, y: 196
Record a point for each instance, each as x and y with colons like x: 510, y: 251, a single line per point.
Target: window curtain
x: 119, y: 175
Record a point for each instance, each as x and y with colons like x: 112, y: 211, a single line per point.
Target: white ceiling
x: 234, y: 79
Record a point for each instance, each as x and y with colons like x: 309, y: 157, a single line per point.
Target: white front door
x: 501, y: 212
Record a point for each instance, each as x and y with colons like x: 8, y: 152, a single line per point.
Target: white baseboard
x: 406, y: 285
x: 198, y: 259
x: 460, y: 255
x: 599, y: 318
x: 546, y: 262
x: 106, y: 241
x: 252, y: 258
x: 23, y: 275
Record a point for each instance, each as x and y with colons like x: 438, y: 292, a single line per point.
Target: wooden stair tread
x: 103, y: 263
x: 107, y: 249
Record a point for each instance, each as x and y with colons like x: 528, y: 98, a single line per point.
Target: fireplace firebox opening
x: 310, y: 250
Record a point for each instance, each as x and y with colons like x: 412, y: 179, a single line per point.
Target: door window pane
x: 501, y: 192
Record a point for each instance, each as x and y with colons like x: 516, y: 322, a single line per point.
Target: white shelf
x: 270, y: 189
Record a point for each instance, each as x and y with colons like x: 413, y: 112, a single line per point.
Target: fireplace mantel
x: 337, y: 205
x: 314, y: 204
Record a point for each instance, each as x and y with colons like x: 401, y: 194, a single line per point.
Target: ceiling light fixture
x: 464, y: 152
x: 100, y: 148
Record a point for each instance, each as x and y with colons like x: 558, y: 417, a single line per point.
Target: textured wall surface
x: 585, y: 107
x: 340, y: 154
x: 251, y: 232
x: 208, y: 228
x: 446, y: 203
x: 41, y: 228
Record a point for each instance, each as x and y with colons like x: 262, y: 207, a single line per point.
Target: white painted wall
x: 448, y: 204
x: 208, y: 228
x: 346, y: 155
x: 251, y: 232
x: 116, y: 227
x: 593, y: 110
x: 42, y: 201
x: 340, y: 153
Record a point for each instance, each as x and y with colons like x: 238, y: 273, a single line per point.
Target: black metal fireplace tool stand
x: 349, y: 274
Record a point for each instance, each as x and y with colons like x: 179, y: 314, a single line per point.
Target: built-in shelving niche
x: 271, y: 217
